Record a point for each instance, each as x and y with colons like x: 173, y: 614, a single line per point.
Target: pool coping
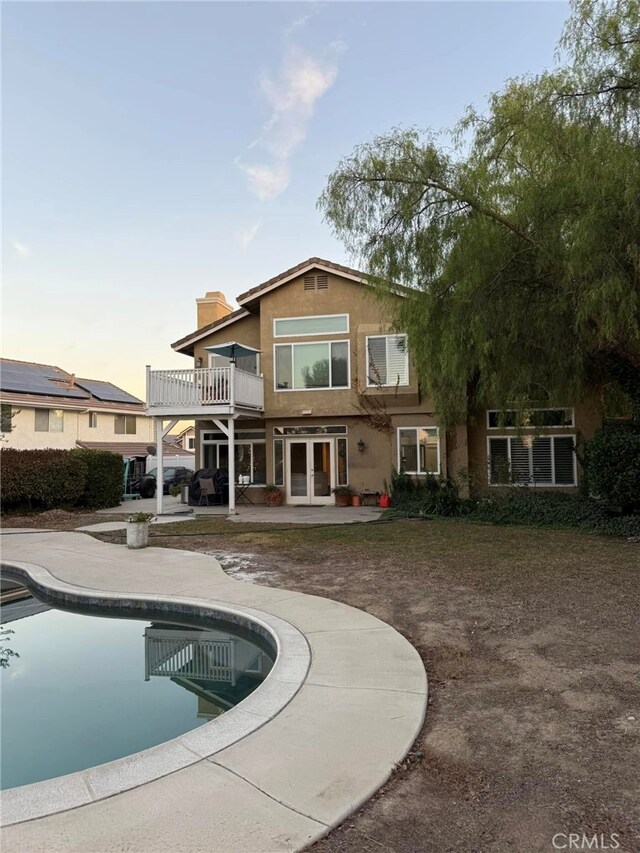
x: 319, y: 642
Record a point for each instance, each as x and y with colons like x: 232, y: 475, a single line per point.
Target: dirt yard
x: 531, y: 642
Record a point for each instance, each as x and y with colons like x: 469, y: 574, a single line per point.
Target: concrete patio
x: 326, y: 728
x: 258, y: 512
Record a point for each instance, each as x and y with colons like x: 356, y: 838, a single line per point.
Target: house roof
x: 250, y: 297
x: 45, y: 385
x: 133, y: 448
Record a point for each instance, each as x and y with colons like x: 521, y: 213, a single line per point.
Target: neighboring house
x: 332, y: 398
x: 44, y: 406
x: 186, y: 438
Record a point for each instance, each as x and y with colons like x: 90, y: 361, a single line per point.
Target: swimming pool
x: 88, y: 689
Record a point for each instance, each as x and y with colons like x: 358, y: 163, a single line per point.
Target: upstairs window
x: 387, y: 360
x: 325, y: 324
x: 249, y: 363
x: 308, y: 367
x: 191, y: 443
x: 125, y: 425
x: 7, y: 418
x: 93, y: 420
x: 49, y: 420
x: 541, y: 461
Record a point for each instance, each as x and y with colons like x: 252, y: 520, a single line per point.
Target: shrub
x: 41, y: 479
x: 428, y: 496
x: 104, y: 483
x: 553, y: 509
x: 613, y: 465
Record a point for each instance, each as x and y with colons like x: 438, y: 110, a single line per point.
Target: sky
x: 155, y: 151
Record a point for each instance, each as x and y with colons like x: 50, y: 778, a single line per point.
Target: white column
x: 232, y: 467
x: 159, y: 466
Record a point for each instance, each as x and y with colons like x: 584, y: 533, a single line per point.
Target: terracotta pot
x: 384, y: 502
x: 343, y: 500
x: 355, y: 500
x: 273, y: 498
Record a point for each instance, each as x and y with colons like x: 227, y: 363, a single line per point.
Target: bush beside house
x: 105, y: 476
x: 55, y: 479
x: 612, y: 461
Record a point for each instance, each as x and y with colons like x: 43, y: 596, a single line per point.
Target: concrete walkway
x: 322, y: 742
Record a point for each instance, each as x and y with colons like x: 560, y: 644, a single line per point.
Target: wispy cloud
x: 292, y: 95
x: 20, y: 248
x: 246, y: 236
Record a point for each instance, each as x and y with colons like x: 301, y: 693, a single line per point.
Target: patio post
x: 232, y: 467
x: 160, y: 466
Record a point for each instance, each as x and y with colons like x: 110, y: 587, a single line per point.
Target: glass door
x: 310, y: 471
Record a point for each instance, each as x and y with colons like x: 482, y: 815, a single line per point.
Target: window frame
x: 531, y: 483
x: 572, y: 425
x: 346, y: 387
x: 6, y: 418
x: 346, y: 331
x: 125, y: 431
x: 224, y: 442
x: 93, y: 420
x: 415, y: 429
x: 49, y: 411
x: 406, y: 360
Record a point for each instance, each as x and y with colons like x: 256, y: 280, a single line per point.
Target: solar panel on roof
x: 36, y: 379
x: 106, y: 391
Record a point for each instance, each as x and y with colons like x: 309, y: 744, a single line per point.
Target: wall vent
x: 316, y: 282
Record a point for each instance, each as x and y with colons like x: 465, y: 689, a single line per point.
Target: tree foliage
x: 516, y: 237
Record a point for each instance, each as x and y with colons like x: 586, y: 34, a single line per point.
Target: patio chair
x: 207, y: 490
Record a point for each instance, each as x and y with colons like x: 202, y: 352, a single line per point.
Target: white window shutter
x: 377, y: 361
x: 397, y: 360
x: 542, y: 470
x: 520, y: 468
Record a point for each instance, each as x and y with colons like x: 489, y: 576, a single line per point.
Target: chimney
x: 211, y: 307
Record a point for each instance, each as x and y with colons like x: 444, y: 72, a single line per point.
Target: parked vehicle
x: 172, y: 477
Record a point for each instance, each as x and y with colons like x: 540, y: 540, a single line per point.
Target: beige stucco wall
x: 23, y: 435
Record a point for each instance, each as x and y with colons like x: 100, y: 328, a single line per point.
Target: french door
x: 310, y: 467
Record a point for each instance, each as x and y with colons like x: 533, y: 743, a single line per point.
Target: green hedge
x: 612, y: 461
x: 105, y: 476
x: 554, y: 509
x: 59, y: 479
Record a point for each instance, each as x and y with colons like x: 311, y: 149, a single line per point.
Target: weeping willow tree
x: 516, y: 235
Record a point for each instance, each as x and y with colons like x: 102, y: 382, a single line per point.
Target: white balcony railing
x: 203, y: 388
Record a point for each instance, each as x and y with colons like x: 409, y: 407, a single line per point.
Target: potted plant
x: 138, y: 529
x: 355, y: 500
x: 273, y: 496
x: 342, y: 495
x: 175, y: 490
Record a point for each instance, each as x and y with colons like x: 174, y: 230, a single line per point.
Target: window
x: 249, y: 363
x: 308, y: 367
x: 250, y: 456
x: 387, y: 360
x: 326, y: 324
x: 125, y: 425
x: 310, y: 430
x: 278, y: 462
x: 547, y: 460
x: 191, y: 442
x: 7, y: 419
x: 93, y: 420
x: 49, y: 420
x: 419, y: 450
x: 512, y: 419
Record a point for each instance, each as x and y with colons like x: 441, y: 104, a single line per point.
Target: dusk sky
x: 154, y: 151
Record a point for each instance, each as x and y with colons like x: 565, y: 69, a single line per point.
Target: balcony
x: 204, y: 391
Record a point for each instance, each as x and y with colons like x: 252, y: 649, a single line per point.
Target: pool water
x: 88, y: 689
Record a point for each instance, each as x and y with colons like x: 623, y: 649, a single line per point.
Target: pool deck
x: 323, y: 737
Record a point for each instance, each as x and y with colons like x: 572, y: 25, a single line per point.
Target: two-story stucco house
x: 43, y: 406
x: 324, y: 394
